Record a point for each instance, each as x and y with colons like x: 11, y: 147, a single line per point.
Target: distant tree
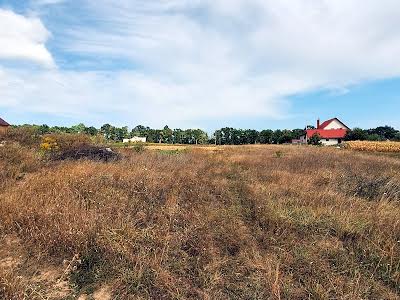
x: 252, y: 136
x: 374, y: 137
x: 200, y: 136
x: 357, y: 134
x: 120, y: 133
x: 298, y: 133
x: 178, y: 136
x: 139, y: 130
x: 276, y: 136
x: 315, y: 140
x: 397, y: 137
x: 151, y: 135
x: 167, y: 134
x: 217, y: 137
x: 265, y: 136
x: 385, y: 132
x: 106, y: 130
x: 80, y: 128
x: 43, y: 129
x: 91, y: 131
x: 286, y: 137
x: 226, y: 137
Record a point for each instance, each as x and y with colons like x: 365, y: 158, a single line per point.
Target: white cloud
x: 181, y: 61
x: 23, y: 38
x: 131, y: 96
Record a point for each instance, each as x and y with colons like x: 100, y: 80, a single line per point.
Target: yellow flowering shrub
x: 49, y: 144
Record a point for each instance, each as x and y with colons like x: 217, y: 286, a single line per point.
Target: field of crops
x: 374, y: 146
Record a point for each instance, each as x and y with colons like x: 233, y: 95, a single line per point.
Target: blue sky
x: 200, y: 63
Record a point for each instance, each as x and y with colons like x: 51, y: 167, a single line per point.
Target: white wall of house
x: 135, y: 139
x: 329, y: 142
x: 335, y: 124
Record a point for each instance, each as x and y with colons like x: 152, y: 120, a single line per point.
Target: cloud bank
x: 184, y: 61
x: 23, y: 38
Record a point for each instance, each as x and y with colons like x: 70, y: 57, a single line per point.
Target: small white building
x: 331, y: 132
x: 135, y: 139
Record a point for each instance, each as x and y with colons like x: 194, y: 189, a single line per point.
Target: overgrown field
x: 256, y: 222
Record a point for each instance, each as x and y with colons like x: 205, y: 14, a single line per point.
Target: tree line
x: 233, y: 136
x: 381, y: 133
x: 223, y: 136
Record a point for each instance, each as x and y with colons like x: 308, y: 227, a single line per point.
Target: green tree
x: 106, y: 130
x: 200, y: 136
x: 315, y: 140
x: 285, y: 137
x: 357, y: 134
x: 167, y: 134
x: 385, y: 132
x: 298, y: 133
x: 252, y: 136
x: 80, y: 128
x: 265, y: 136
x: 374, y: 137
x: 218, y: 137
x: 91, y: 131
x: 139, y: 130
x: 276, y: 136
x: 43, y: 129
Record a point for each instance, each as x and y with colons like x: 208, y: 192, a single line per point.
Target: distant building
x: 332, y: 132
x: 3, y: 126
x: 135, y: 139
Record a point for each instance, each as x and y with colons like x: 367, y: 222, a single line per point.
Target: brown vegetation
x: 263, y: 222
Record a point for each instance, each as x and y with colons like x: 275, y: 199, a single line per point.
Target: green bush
x: 138, y: 147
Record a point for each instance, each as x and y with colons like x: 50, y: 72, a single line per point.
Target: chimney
x: 318, y: 123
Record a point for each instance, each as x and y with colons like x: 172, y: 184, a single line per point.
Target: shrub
x: 315, y: 140
x: 15, y: 162
x: 139, y: 147
x: 49, y: 144
x: 25, y: 135
x: 68, y: 141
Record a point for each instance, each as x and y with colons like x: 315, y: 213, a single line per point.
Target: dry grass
x: 245, y: 223
x: 178, y: 147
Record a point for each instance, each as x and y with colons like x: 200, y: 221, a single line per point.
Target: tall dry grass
x: 244, y: 223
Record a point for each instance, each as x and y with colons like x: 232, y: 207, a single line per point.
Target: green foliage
x: 385, y: 132
x: 266, y: 136
x: 397, y: 137
x: 315, y: 140
x: 381, y: 133
x: 31, y: 134
x: 357, y: 134
x: 138, y: 147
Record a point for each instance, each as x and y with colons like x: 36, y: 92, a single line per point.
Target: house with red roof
x: 3, y: 126
x: 331, y: 132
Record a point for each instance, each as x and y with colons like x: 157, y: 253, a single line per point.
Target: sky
x: 200, y: 63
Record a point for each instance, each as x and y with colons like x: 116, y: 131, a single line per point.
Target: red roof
x: 326, y: 123
x: 3, y: 123
x: 328, y: 134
